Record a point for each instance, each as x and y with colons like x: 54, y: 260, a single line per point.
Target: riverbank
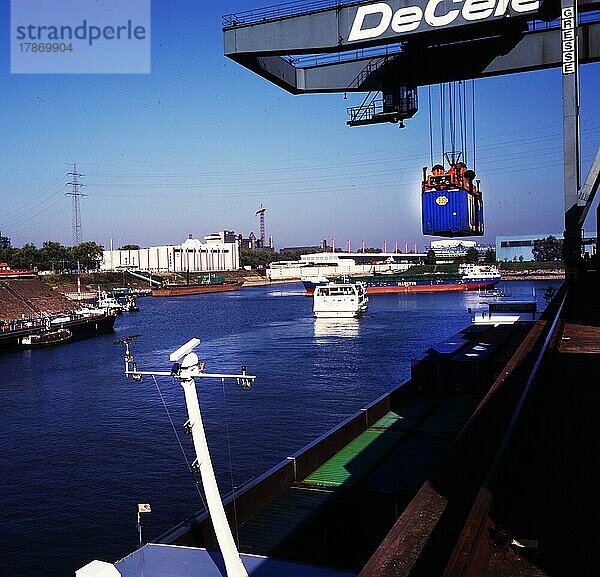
x: 532, y: 270
x: 67, y: 284
x: 533, y: 275
x: 89, y: 282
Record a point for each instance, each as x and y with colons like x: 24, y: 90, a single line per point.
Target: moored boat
x: 46, y: 338
x: 109, y: 303
x: 7, y: 273
x: 130, y: 306
x: 203, y: 284
x: 83, y: 323
x: 469, y: 277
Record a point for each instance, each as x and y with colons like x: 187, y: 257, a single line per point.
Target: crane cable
x: 473, y: 120
x: 430, y: 129
x: 442, y: 121
x: 454, y: 122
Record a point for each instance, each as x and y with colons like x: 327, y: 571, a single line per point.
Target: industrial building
x: 4, y: 241
x: 449, y: 250
x: 218, y: 252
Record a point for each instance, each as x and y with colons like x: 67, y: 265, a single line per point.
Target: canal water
x: 81, y: 445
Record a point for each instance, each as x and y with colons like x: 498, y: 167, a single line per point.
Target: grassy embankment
x: 104, y: 280
x: 508, y: 270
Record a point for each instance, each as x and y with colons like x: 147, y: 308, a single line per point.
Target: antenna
x: 187, y: 367
x: 77, y: 236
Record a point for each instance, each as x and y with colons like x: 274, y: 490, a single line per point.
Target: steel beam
x: 571, y: 156
x: 589, y: 189
x: 425, y: 65
x: 359, y: 25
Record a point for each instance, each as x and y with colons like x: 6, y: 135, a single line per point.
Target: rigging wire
x: 235, y: 517
x: 189, y: 466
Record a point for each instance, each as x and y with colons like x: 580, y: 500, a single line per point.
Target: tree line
x: 53, y: 256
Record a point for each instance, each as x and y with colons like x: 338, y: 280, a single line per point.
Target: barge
x: 81, y: 324
x: 203, y: 284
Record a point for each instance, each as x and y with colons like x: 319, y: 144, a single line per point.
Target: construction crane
x: 261, y: 213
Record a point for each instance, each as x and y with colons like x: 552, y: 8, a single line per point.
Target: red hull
x: 10, y: 274
x: 195, y: 289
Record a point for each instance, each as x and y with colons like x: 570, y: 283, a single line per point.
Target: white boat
x: 340, y: 300
x: 130, y: 306
x: 109, y: 304
x: 480, y: 275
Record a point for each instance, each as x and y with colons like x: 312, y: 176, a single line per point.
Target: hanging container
x: 452, y: 204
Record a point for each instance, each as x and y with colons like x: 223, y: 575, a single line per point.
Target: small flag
x: 144, y: 508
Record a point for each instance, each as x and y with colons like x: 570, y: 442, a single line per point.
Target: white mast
x: 187, y: 367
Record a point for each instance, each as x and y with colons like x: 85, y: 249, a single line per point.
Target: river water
x: 81, y: 445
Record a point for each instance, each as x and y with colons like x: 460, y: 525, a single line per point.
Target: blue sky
x: 197, y: 145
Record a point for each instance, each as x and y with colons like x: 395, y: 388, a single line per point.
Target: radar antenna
x: 187, y: 367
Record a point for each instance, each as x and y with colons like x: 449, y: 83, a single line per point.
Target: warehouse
x: 218, y: 252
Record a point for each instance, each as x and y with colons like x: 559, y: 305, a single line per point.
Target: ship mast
x: 186, y: 369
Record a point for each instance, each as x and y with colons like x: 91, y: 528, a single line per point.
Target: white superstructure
x: 218, y: 252
x: 340, y: 300
x: 338, y: 264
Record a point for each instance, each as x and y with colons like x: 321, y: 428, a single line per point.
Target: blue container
x: 452, y: 213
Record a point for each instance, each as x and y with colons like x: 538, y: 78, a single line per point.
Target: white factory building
x: 218, y: 252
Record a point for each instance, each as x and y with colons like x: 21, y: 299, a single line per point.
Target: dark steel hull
x: 195, y: 289
x: 81, y: 328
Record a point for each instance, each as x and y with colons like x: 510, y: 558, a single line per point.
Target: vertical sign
x: 572, y: 172
x: 569, y: 40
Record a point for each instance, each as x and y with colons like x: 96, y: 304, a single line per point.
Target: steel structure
x: 395, y: 46
x: 76, y: 195
x: 261, y: 214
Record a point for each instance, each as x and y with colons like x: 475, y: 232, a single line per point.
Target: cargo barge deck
x: 421, y: 481
x: 334, y: 501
